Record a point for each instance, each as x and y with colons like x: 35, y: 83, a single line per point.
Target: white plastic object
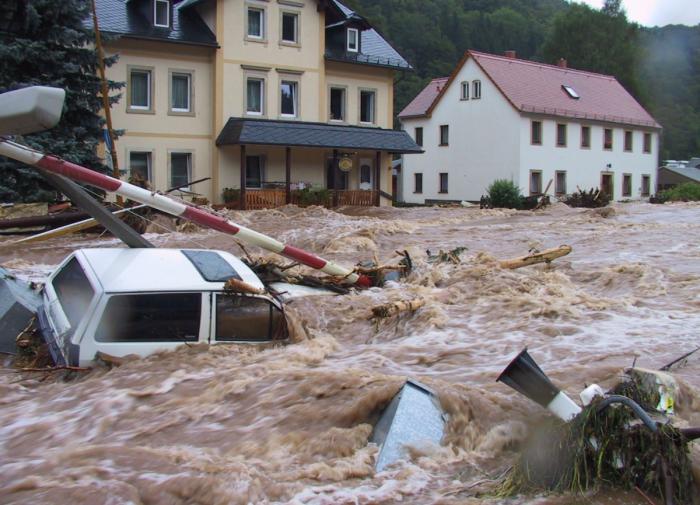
x: 588, y: 394
x: 30, y: 110
x: 563, y: 407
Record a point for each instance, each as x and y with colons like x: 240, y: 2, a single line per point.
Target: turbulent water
x: 231, y: 424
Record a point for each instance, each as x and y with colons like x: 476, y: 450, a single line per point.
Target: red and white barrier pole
x: 163, y: 203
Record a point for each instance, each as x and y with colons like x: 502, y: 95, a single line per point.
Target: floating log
x: 391, y: 309
x: 37, y: 221
x: 536, y: 257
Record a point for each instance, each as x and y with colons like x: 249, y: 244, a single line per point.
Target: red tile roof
x: 425, y: 99
x: 537, y: 88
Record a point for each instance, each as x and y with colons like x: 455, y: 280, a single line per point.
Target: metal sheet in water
x: 414, y: 417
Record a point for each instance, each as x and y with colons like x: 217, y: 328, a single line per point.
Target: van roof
x: 144, y: 270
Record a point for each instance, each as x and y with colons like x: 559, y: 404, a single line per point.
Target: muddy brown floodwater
x: 231, y: 424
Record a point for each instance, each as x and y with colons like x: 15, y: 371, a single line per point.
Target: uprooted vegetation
x: 591, y: 199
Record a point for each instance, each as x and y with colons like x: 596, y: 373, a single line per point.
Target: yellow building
x: 261, y: 96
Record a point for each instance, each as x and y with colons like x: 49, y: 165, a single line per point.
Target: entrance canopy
x: 242, y: 131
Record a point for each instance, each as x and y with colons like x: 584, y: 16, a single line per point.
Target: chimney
x: 561, y: 63
x: 510, y: 54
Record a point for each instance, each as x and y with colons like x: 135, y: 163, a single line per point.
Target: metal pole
x: 244, y: 168
x: 105, y: 97
x: 163, y: 203
x: 288, y: 175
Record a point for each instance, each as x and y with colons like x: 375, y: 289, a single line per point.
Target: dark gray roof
x: 691, y: 173
x: 127, y: 19
x: 375, y: 50
x: 302, y: 134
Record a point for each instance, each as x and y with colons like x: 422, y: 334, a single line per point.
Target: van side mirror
x: 30, y: 110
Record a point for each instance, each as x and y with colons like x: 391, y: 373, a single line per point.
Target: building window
x: 417, y: 183
x: 464, y: 95
x: 365, y: 174
x: 180, y: 92
x: 476, y: 90
x: 535, y: 182
x: 367, y: 106
x: 337, y: 104
x: 289, y: 98
x: 255, y: 96
x: 570, y: 91
x: 647, y: 142
x: 161, y: 13
x: 646, y: 185
x: 419, y: 136
x: 140, y: 165
x: 585, y: 137
x: 561, y: 135
x: 444, y: 135
x: 290, y: 27
x: 628, y: 141
x: 256, y: 23
x: 536, y: 133
x: 254, y: 167
x: 560, y: 182
x: 443, y: 182
x: 608, y: 139
x: 353, y: 40
x: 140, y: 90
x: 180, y: 170
x: 626, y: 185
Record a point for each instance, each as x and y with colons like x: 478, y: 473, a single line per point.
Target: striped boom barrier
x: 163, y: 203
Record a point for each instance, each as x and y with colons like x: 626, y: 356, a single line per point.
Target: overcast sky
x: 658, y: 12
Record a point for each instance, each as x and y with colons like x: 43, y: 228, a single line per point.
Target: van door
x: 246, y: 319
x: 143, y: 323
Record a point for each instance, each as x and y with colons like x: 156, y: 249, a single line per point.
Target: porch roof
x: 271, y: 132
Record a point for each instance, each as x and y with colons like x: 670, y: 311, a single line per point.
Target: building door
x: 366, y: 174
x: 331, y: 173
x: 606, y: 184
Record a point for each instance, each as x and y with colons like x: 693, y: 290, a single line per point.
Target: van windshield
x: 73, y: 290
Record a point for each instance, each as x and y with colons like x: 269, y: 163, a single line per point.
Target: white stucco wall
x: 584, y: 166
x: 483, y: 145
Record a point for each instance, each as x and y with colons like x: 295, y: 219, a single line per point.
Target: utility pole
x: 105, y: 98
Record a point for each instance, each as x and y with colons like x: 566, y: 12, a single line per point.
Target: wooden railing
x: 264, y: 198
x: 271, y: 198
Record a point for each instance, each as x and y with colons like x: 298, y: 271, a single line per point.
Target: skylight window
x: 570, y: 91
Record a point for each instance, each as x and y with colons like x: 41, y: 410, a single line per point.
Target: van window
x: 73, y: 290
x: 248, y: 319
x: 165, y: 317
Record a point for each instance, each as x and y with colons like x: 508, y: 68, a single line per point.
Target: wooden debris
x: 452, y: 256
x: 238, y: 286
x: 56, y: 369
x: 536, y: 257
x: 392, y: 309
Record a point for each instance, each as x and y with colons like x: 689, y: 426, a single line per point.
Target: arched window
x: 476, y: 90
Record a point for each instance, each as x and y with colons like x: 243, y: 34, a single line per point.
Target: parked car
x: 139, y: 301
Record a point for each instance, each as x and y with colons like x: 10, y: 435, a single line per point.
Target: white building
x: 498, y: 117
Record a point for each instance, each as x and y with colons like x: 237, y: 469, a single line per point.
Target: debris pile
x: 591, y: 199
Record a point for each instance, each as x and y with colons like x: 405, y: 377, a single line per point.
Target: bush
x: 591, y: 199
x: 311, y: 196
x: 505, y: 194
x: 686, y: 192
x: 231, y: 195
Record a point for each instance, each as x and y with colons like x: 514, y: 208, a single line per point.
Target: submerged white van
x: 139, y: 301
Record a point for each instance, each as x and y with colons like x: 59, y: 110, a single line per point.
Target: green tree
x: 601, y: 41
x: 47, y: 42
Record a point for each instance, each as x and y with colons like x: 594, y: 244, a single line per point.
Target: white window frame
x: 295, y: 98
x: 155, y: 13
x: 464, y: 90
x: 150, y: 160
x: 476, y: 89
x: 262, y: 96
x: 190, y: 92
x: 373, y: 119
x: 350, y: 47
x: 297, y: 31
x: 148, y: 108
x: 190, y: 165
x: 263, y: 24
x: 343, y: 105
